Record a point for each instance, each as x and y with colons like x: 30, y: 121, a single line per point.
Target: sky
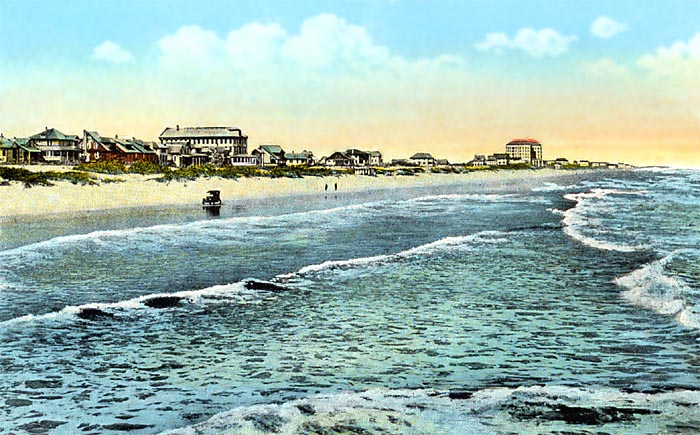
x: 607, y: 80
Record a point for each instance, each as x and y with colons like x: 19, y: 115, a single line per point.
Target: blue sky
x: 412, y: 28
x: 577, y: 74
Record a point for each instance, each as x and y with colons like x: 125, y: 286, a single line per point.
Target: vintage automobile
x: 213, y: 199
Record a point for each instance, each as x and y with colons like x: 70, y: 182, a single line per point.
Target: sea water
x: 565, y: 307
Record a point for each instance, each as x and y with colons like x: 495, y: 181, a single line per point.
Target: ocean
x: 566, y: 306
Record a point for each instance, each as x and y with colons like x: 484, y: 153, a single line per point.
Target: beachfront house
x: 498, y: 159
x: 338, y: 159
x: 56, y: 147
x: 9, y: 150
x: 199, y: 145
x: 269, y: 155
x: 527, y: 150
x: 479, y: 160
x: 304, y: 158
x: 375, y: 158
x: 422, y: 159
x: 97, y: 147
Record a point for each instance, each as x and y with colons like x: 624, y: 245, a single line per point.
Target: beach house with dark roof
x: 198, y: 145
x: 9, y: 150
x: 422, y: 159
x: 527, y: 150
x: 269, y: 155
x: 338, y: 159
x: 56, y: 147
x: 97, y: 147
x: 304, y: 158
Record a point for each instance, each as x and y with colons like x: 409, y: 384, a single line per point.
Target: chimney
x: 177, y: 127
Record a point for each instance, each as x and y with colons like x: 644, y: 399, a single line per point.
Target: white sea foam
x: 576, y: 219
x: 487, y: 411
x: 478, y: 197
x: 235, y: 291
x: 650, y: 287
x: 553, y: 187
x: 444, y: 244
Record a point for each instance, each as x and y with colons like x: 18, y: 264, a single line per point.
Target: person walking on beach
x: 336, y: 187
x: 326, y: 187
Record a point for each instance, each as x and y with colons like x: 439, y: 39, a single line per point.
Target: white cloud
x: 682, y: 58
x: 112, y: 52
x: 190, y: 45
x: 326, y: 40
x: 605, y: 27
x: 537, y: 43
x: 324, y: 43
x: 605, y: 68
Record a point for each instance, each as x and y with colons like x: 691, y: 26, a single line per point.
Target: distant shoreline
x: 143, y: 190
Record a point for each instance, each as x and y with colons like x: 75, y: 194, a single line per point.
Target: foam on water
x: 444, y: 244
x: 553, y: 187
x: 533, y: 410
x: 479, y: 197
x: 650, y: 287
x: 576, y: 219
x: 236, y: 291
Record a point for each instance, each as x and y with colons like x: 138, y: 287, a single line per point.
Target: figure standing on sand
x: 336, y: 187
x: 326, y: 187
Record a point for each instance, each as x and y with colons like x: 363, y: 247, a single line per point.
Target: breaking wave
x: 443, y: 244
x: 650, y: 287
x: 237, y: 291
x: 575, y: 219
x: 534, y: 409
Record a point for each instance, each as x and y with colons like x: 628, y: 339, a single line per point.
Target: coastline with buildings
x: 123, y: 172
x: 228, y: 146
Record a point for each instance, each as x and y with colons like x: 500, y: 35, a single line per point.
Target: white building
x: 197, y: 145
x: 527, y: 150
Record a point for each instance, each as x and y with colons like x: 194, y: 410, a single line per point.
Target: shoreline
x: 139, y: 191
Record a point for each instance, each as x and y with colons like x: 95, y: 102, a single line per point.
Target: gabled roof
x: 304, y: 155
x: 275, y: 150
x: 201, y: 132
x: 422, y: 156
x: 338, y: 154
x: 375, y: 153
x: 53, y: 134
x: 7, y: 143
x: 356, y: 152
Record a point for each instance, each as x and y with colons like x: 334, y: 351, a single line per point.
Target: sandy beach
x: 145, y: 191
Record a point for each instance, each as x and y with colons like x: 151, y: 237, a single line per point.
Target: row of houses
x: 526, y: 151
x: 176, y: 146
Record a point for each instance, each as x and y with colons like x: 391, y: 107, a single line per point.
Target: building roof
x: 338, y: 154
x: 53, y: 134
x: 128, y: 146
x: 304, y: 155
x: 524, y: 141
x: 201, y: 132
x: 422, y: 156
x: 7, y: 143
x: 275, y: 150
x: 375, y: 153
x: 356, y: 152
x: 501, y: 156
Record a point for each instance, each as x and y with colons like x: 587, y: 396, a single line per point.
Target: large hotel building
x: 528, y: 150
